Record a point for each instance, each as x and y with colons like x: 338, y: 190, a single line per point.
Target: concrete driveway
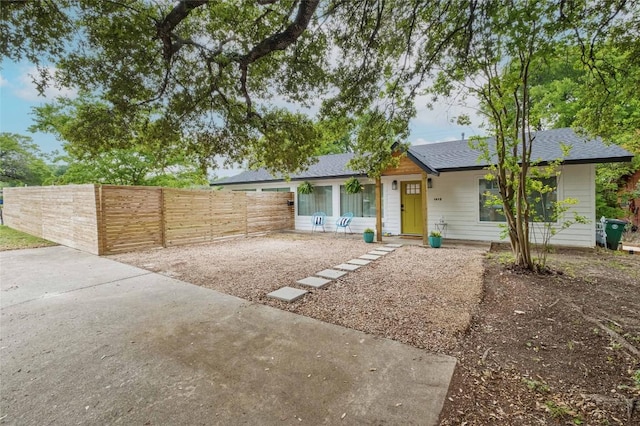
x: 87, y: 340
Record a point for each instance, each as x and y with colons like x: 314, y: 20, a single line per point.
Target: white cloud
x: 438, y: 123
x: 3, y: 81
x: 26, y: 88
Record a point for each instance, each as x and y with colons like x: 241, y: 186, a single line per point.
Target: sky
x: 18, y: 95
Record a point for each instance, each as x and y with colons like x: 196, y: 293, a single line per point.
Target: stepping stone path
x: 370, y: 257
x: 331, y: 274
x: 287, y: 294
x: 347, y: 266
x: 387, y: 249
x: 314, y: 282
x: 290, y: 294
x: 360, y: 262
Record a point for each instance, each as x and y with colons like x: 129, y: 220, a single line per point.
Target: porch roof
x: 453, y: 156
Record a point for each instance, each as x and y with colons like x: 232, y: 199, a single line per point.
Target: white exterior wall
x: 454, y: 197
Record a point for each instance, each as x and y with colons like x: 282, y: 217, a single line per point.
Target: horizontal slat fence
x: 112, y: 219
x: 63, y: 214
x: 131, y: 218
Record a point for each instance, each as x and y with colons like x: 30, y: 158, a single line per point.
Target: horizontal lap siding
x: 454, y: 197
x: 63, y: 214
x: 578, y: 181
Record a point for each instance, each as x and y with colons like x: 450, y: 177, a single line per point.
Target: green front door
x: 411, y: 206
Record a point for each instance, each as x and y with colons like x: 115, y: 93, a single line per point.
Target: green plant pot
x: 368, y: 237
x: 435, y: 242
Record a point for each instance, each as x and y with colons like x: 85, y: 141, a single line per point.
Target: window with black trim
x: 362, y: 204
x: 542, y: 203
x: 320, y: 200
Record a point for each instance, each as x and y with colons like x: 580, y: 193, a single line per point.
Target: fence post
x: 246, y: 213
x: 163, y: 221
x: 102, y: 226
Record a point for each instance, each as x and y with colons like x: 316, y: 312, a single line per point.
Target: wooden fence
x: 111, y: 219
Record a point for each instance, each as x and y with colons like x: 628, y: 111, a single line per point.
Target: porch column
x: 378, y: 210
x: 425, y: 206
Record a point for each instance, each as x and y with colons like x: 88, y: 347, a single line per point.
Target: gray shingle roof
x: 457, y: 155
x: 334, y: 165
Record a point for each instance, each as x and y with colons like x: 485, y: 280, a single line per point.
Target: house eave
x: 624, y: 159
x: 298, y: 179
x: 425, y: 167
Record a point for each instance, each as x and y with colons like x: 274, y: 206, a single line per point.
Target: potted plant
x: 368, y: 235
x: 435, y: 239
x: 352, y: 185
x: 305, y: 187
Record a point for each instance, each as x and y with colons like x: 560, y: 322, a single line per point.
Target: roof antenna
x: 462, y: 135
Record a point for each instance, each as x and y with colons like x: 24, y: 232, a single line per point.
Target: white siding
x: 358, y: 224
x: 454, y: 197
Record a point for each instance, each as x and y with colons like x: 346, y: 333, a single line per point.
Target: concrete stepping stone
x: 387, y: 249
x: 370, y: 257
x: 314, y: 282
x: 360, y: 262
x: 331, y: 274
x: 287, y: 294
x: 378, y: 252
x: 347, y: 266
x: 393, y: 245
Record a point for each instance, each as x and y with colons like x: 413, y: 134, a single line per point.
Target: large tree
x: 512, y: 42
x: 603, y: 101
x: 227, y: 74
x: 100, y: 150
x: 21, y: 161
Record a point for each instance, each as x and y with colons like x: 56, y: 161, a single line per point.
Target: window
x: 490, y: 213
x: 541, y: 204
x: 276, y: 189
x: 362, y: 204
x: 318, y: 201
x: 412, y: 188
x: 244, y: 190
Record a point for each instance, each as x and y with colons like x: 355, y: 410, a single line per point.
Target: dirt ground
x: 554, y: 349
x: 560, y: 348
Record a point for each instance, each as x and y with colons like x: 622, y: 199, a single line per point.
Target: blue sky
x: 18, y: 96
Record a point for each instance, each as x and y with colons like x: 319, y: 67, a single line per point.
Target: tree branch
x: 164, y: 29
x: 278, y: 41
x: 282, y: 40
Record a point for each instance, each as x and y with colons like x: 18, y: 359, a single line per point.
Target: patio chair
x: 344, y: 222
x: 317, y: 220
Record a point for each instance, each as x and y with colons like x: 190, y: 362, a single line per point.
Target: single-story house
x: 440, y: 186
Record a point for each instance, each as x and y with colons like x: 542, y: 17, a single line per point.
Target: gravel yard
x: 423, y: 297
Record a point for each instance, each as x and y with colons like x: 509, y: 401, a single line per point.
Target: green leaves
x: 352, y: 185
x: 21, y: 162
